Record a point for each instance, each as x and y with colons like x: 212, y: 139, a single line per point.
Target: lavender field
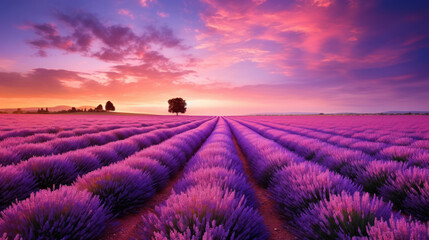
x: 191, y: 177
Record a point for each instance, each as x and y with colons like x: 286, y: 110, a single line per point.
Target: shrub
x: 163, y: 157
x: 297, y: 187
x: 99, y: 138
x: 28, y: 150
x: 376, y: 174
x: 397, y: 153
x: 51, y: 170
x: 158, y: 172
x: 61, y: 214
x: 203, y: 213
x: 84, y: 161
x: 421, y: 144
x: 398, y: 228
x: 15, y: 183
x: 420, y: 159
x: 368, y: 147
x: 215, y: 161
x: 142, y: 141
x: 105, y: 155
x: 8, y: 157
x: 119, y: 187
x: 353, y: 168
x: 337, y: 158
x: 228, y: 180
x: 264, y: 170
x: 409, y: 191
x: 62, y: 145
x: 342, y: 217
x: 125, y: 148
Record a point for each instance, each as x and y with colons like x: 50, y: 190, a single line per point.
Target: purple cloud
x: 118, y: 42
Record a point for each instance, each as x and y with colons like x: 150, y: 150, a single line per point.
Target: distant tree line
x: 108, y: 108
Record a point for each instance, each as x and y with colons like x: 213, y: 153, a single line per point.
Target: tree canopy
x: 99, y: 108
x: 177, y: 105
x: 109, y: 106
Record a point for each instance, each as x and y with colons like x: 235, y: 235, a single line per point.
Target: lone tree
x: 109, y: 106
x: 177, y: 105
x: 99, y: 108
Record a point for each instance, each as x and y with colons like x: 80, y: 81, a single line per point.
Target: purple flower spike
x: 203, y: 213
x: 297, y: 187
x: 65, y: 213
x: 15, y: 183
x: 398, y: 228
x: 119, y: 187
x: 342, y: 217
x: 409, y: 191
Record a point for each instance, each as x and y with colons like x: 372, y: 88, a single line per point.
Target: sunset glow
x: 223, y: 57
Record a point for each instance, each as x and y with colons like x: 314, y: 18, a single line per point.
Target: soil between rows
x: 272, y: 219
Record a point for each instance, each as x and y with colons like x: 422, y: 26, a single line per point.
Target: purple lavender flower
x: 104, y: 154
x: 409, y: 191
x: 158, y: 172
x: 295, y: 188
x: 8, y: 157
x: 166, y: 159
x: 28, y: 150
x: 419, y: 159
x: 397, y: 153
x: 51, y: 170
x: 203, y: 213
x: 228, y: 180
x: 398, y: 228
x: 65, y: 213
x: 15, y: 184
x: 125, y: 148
x: 377, y: 173
x: 83, y: 160
x: 342, y: 217
x: 119, y: 187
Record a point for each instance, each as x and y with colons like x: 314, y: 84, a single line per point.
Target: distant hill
x: 51, y: 109
x: 338, y: 113
x: 404, y: 112
x: 286, y: 113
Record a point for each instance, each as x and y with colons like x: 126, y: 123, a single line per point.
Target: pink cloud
x: 126, y: 12
x: 162, y: 14
x: 145, y: 3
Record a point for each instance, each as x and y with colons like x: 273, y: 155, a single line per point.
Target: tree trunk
x: 177, y: 114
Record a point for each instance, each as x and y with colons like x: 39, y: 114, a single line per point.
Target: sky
x: 222, y: 57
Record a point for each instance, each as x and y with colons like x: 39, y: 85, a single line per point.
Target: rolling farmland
x: 189, y: 177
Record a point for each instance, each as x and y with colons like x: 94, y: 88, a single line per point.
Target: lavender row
x: 317, y: 203
x: 31, y: 126
x: 16, y: 154
x: 377, y: 149
x: 315, y: 148
x: 408, y: 188
x: 61, y: 123
x: 84, y: 210
x: 213, y: 199
x: 388, y: 129
x: 19, y: 181
x: 64, y: 133
x: 43, y: 137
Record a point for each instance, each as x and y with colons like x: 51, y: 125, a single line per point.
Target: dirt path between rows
x: 127, y: 225
x: 272, y: 219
